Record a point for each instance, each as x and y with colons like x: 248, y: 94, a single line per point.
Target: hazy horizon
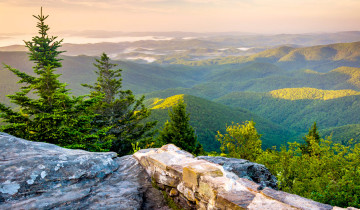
x: 102, y: 36
x: 204, y: 16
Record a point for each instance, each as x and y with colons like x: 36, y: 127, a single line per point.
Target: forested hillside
x: 343, y: 134
x: 208, y: 117
x: 337, y: 110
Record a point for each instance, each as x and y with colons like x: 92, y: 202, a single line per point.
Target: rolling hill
x: 340, y: 109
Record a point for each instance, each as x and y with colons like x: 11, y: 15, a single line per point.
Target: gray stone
x: 235, y: 200
x: 245, y: 169
x: 36, y: 175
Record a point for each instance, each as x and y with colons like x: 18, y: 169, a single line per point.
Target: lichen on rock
x: 36, y: 175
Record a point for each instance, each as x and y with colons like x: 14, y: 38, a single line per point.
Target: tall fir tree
x: 179, y: 131
x: 119, y: 109
x: 312, y: 136
x: 47, y: 112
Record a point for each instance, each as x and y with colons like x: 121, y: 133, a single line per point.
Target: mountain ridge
x: 328, y: 56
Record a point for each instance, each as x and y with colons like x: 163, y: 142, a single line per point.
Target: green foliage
x: 119, y: 109
x: 241, y: 141
x: 46, y: 111
x: 327, y: 172
x: 135, y: 147
x: 179, y: 132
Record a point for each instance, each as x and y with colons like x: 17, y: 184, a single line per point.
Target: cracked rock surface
x: 36, y: 175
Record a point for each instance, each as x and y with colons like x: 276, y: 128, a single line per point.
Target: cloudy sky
x: 256, y: 16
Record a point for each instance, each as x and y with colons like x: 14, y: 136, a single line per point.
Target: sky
x: 253, y: 16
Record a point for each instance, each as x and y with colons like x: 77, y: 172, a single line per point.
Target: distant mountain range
x: 321, y: 58
x: 179, y: 43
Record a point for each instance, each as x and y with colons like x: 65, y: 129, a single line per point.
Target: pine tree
x: 179, y: 132
x: 119, y: 109
x: 47, y: 112
x: 312, y: 136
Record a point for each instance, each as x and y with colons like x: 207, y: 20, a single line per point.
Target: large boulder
x: 245, y: 169
x: 36, y: 175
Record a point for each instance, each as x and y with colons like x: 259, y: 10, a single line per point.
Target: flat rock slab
x: 36, y: 175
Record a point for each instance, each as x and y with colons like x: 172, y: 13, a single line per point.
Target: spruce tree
x: 46, y: 111
x: 119, y: 109
x: 312, y: 136
x: 179, y: 132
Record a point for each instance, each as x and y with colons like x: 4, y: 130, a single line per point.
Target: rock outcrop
x: 36, y: 175
x: 196, y: 183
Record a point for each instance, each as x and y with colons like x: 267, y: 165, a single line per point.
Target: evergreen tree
x: 47, y: 112
x: 312, y: 137
x: 119, y: 109
x: 179, y: 132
